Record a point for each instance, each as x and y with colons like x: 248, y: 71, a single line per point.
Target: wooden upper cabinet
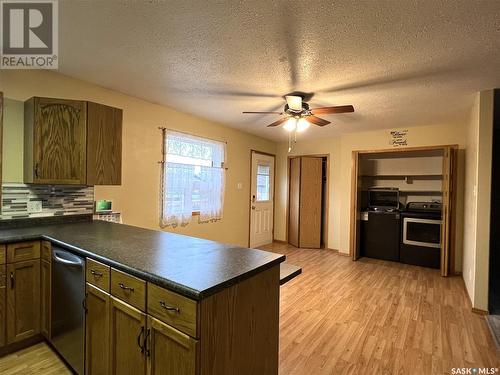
x: 72, y: 142
x: 55, y: 141
x: 104, y: 145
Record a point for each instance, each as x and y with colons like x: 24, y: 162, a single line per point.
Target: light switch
x: 239, y: 186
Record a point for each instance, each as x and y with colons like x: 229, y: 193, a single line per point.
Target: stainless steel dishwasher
x: 68, y: 314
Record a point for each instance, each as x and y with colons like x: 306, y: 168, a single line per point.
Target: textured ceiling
x: 400, y: 63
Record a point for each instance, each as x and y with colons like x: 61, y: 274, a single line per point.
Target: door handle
x: 139, y: 339
x: 12, y: 280
x: 124, y: 287
x: 253, y: 207
x: 146, y: 342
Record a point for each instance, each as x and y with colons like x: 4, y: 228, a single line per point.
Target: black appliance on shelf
x: 421, y: 234
x: 383, y: 199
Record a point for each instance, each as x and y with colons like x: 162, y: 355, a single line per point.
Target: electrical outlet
x: 34, y: 206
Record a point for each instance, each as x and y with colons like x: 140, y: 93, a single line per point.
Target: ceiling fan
x: 298, y: 116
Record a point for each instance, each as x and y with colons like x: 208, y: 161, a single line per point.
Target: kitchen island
x: 187, y: 305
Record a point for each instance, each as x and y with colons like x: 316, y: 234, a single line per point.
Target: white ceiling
x: 400, y: 63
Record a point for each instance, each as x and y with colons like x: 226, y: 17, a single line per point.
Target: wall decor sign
x: 399, y: 138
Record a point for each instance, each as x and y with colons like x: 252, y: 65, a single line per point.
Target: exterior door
x: 262, y: 200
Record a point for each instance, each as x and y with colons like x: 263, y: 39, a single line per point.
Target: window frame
x: 164, y: 164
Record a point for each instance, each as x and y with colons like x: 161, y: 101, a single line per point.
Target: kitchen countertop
x: 193, y: 267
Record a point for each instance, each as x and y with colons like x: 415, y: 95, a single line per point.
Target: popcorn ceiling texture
x: 400, y: 63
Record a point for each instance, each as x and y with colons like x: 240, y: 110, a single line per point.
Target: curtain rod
x: 194, y: 135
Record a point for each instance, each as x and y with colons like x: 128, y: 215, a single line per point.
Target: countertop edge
x: 165, y: 283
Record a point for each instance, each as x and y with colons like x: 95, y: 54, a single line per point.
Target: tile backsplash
x: 56, y: 200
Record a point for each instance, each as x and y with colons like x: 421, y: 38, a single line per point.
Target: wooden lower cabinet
x: 97, y: 323
x: 128, y: 327
x: 3, y: 315
x: 45, y: 298
x: 169, y: 351
x: 23, y: 300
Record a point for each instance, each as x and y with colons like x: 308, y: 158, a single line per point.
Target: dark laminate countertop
x: 190, y: 266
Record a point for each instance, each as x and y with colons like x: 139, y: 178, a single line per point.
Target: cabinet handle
x: 84, y: 304
x: 146, y: 341
x: 12, y: 280
x: 95, y: 273
x: 36, y: 170
x: 139, y: 340
x: 169, y: 308
x: 121, y: 285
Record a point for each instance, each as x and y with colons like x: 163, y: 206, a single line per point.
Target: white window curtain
x: 193, y: 179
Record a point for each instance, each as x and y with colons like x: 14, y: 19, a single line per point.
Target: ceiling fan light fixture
x: 302, y: 124
x: 291, y: 124
x: 294, y: 102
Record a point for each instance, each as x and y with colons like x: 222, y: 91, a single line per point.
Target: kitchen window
x: 193, y: 179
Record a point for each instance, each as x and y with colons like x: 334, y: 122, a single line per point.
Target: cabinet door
x: 104, y: 145
x: 3, y: 304
x: 97, y: 331
x: 128, y: 327
x: 45, y: 295
x: 169, y: 351
x: 59, y: 141
x: 23, y: 300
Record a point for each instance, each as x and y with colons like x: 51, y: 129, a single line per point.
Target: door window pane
x: 263, y: 182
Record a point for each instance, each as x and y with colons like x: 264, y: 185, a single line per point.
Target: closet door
x: 448, y: 225
x: 311, y: 186
x: 294, y: 202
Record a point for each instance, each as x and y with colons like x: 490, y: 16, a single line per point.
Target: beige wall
x: 484, y: 157
x: 13, y: 141
x: 340, y: 151
x: 138, y: 196
x: 470, y: 200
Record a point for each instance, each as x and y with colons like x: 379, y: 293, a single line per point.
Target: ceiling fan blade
x: 271, y: 113
x: 317, y: 121
x: 294, y: 102
x: 279, y: 122
x: 337, y: 109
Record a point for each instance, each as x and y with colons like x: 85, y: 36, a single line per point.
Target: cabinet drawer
x: 129, y: 289
x: 3, y: 275
x: 2, y: 254
x: 17, y: 252
x: 46, y: 251
x: 174, y: 309
x: 98, y: 274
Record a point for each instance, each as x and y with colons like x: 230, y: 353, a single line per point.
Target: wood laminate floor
x: 376, y: 317
x: 364, y: 317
